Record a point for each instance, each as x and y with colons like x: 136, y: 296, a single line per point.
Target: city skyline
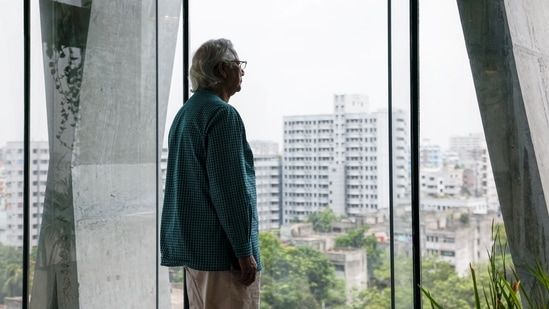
x: 104, y: 189
x: 287, y: 64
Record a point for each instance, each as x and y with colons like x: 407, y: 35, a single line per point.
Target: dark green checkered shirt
x: 209, y: 217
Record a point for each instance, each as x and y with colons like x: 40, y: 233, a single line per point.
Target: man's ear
x: 221, y: 70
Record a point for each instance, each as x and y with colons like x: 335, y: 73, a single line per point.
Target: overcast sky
x: 300, y: 54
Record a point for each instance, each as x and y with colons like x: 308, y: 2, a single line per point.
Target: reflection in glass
x: 64, y: 33
x: 98, y: 234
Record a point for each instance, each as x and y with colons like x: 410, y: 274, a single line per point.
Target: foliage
x: 498, y: 289
x: 375, y: 255
x: 542, y: 277
x: 286, y: 292
x: 13, y: 276
x: 441, y: 279
x: 439, y: 276
x: 372, y: 298
x: 378, y: 294
x: 65, y: 48
x: 353, y: 239
x: 464, y: 219
x: 67, y: 77
x: 356, y: 239
x: 177, y: 274
x: 297, y: 277
x: 322, y: 220
x: 11, y: 270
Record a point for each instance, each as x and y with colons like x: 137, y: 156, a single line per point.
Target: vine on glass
x: 67, y: 81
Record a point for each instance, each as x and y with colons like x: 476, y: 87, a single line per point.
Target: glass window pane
x: 459, y: 202
x: 97, y: 114
x: 314, y: 102
x: 170, y: 50
x: 11, y: 155
x: 401, y: 155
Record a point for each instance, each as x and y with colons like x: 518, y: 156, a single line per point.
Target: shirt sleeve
x: 228, y: 178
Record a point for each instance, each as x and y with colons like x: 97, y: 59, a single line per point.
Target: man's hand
x: 248, y: 267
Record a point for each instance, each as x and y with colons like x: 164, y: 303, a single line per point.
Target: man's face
x: 234, y: 75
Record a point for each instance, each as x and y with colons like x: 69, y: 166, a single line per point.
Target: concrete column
x: 98, y: 245
x: 508, y: 50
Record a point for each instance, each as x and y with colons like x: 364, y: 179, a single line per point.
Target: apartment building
x: 2, y: 179
x: 431, y: 155
x: 342, y: 159
x: 268, y: 168
x: 470, y: 205
x: 438, y: 182
x: 451, y: 232
x: 473, y: 157
x: 267, y: 163
x: 13, y: 209
x: 459, y: 237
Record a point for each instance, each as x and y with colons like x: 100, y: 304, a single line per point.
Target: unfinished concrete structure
x: 102, y: 65
x: 509, y: 55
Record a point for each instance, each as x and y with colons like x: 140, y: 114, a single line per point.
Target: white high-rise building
x: 488, y: 183
x: 163, y: 166
x: 267, y: 163
x: 268, y: 166
x: 13, y: 209
x: 467, y: 146
x: 341, y: 160
x: 3, y: 214
x: 2, y: 180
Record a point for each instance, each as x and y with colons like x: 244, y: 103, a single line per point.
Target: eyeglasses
x: 242, y: 64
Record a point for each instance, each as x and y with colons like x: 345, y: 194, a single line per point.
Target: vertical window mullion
x: 414, y: 113
x: 186, y: 54
x: 26, y: 150
x: 186, y: 88
x: 390, y: 125
x: 158, y: 149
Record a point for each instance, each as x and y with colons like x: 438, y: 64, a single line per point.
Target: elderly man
x: 209, y: 220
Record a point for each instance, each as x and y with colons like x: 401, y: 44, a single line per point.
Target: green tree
x: 353, y: 239
x: 297, y: 277
x: 464, y: 219
x: 270, y: 246
x: 322, y: 220
x: 287, y: 292
x: 11, y: 260
x: 13, y: 276
x: 319, y: 271
x: 11, y: 270
x: 438, y: 276
x: 377, y: 296
x: 356, y: 239
x: 372, y: 299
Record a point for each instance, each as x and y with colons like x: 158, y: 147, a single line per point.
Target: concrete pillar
x: 508, y: 50
x: 98, y: 245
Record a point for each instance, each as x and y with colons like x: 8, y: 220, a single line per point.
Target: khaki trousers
x: 220, y: 290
